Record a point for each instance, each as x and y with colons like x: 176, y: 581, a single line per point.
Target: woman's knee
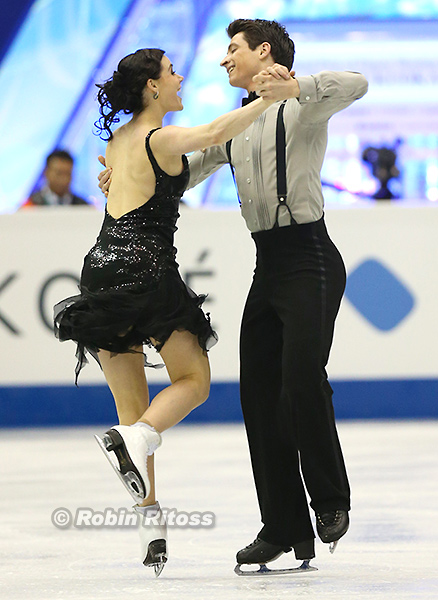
x: 202, y: 389
x: 196, y: 385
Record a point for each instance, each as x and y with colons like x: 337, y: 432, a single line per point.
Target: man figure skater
x: 296, y: 292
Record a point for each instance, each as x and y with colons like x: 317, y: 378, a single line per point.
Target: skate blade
x: 264, y: 570
x: 130, y: 479
x: 159, y: 566
x: 156, y: 556
x: 332, y: 546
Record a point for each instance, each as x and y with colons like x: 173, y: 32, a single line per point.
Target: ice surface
x: 390, y: 552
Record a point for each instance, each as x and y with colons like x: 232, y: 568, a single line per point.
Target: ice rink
x: 390, y: 552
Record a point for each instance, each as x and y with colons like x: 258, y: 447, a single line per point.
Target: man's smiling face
x: 242, y: 63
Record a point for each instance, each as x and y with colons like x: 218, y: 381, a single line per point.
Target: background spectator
x: 58, y: 175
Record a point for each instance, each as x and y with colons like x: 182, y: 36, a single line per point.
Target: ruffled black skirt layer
x: 119, y: 320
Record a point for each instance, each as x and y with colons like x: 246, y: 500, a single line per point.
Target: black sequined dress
x: 130, y: 288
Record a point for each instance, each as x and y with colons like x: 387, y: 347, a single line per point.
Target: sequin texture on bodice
x: 131, y: 290
x: 137, y: 248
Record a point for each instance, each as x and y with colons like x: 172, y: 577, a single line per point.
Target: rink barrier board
x: 382, y: 364
x: 42, y: 406
x: 386, y: 328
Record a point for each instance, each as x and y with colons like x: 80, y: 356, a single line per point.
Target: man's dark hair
x: 257, y: 31
x: 62, y: 154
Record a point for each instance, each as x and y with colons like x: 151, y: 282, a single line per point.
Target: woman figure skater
x: 131, y: 292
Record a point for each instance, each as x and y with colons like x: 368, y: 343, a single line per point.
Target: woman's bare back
x: 133, y: 179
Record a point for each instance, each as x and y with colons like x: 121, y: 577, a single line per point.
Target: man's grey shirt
x: 253, y: 152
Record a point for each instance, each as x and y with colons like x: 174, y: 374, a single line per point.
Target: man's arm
x: 326, y: 93
x: 320, y: 96
x: 204, y: 163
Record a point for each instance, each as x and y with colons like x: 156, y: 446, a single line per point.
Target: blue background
x: 50, y: 65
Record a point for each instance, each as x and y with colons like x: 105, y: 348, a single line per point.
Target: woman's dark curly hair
x: 123, y: 92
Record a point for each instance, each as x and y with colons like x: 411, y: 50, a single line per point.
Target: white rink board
x: 216, y: 253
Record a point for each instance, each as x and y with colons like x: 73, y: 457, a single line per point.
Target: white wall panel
x: 216, y: 254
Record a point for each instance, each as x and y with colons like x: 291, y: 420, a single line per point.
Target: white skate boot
x: 153, y: 537
x: 131, y: 445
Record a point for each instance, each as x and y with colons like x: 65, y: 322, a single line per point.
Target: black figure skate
x: 331, y: 526
x: 260, y: 553
x: 131, y: 446
x: 153, y: 537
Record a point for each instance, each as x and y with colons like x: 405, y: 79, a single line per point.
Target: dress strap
x: 151, y: 156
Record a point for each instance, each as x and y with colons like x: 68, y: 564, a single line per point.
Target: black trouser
x: 287, y: 331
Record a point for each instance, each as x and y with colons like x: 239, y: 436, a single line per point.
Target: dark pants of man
x: 286, y: 335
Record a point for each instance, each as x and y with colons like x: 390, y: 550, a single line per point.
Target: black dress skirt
x: 130, y: 287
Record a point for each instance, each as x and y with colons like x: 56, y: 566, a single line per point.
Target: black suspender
x: 228, y: 151
x: 281, y: 166
x: 281, y: 156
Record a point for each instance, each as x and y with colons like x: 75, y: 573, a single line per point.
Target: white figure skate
x: 131, y: 446
x: 153, y: 537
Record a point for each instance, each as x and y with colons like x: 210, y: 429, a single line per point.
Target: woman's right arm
x: 181, y: 140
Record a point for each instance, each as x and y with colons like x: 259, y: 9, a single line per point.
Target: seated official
x: 58, y: 174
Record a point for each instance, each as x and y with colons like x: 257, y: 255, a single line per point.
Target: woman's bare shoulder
x: 127, y: 141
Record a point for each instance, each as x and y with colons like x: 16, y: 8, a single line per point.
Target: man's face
x: 242, y: 63
x: 58, y: 175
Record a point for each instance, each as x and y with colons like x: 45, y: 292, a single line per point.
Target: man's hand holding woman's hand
x: 276, y: 83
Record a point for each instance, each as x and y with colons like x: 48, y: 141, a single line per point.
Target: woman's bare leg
x: 126, y: 379
x: 189, y: 372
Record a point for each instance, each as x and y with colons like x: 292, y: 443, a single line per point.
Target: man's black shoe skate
x: 331, y: 526
x: 260, y: 552
x: 305, y: 550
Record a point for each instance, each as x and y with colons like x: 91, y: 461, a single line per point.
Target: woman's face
x: 169, y: 84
